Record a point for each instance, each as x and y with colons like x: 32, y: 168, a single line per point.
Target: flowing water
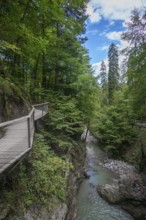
x: 90, y: 206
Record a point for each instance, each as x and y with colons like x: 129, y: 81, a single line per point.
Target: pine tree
x: 113, y: 74
x: 103, y: 75
x: 135, y: 35
x: 103, y: 83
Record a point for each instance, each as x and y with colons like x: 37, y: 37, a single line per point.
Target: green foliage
x: 137, y: 153
x: 64, y: 123
x: 137, y: 81
x: 7, y: 46
x: 88, y: 95
x: 103, y: 75
x: 115, y: 124
x: 11, y: 100
x: 136, y: 61
x: 113, y: 74
x: 135, y: 33
x: 64, y: 116
x: 38, y: 181
x: 48, y: 173
x: 41, y: 43
x: 104, y: 84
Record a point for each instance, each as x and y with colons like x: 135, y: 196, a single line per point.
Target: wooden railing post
x: 29, y: 135
x: 33, y: 117
x: 27, y: 124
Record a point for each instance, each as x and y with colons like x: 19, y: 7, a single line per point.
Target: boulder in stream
x: 87, y: 174
x: 129, y: 190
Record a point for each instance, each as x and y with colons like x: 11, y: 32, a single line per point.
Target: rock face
x: 39, y: 213
x: 12, y: 102
x: 75, y: 178
x: 35, y: 212
x: 129, y: 190
x: 60, y: 212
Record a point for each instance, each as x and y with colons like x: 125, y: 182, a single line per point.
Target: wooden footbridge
x: 16, y: 136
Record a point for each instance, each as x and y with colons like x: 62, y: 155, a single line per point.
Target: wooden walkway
x: 16, y: 136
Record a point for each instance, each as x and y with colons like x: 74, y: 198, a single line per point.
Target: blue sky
x: 105, y: 24
x: 100, y: 37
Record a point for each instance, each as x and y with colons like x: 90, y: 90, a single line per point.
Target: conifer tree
x: 136, y: 36
x: 113, y: 73
x: 103, y: 75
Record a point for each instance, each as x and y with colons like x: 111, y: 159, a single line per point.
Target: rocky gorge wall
x: 129, y: 190
x: 12, y: 102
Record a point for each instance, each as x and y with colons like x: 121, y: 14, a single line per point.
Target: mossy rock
x: 4, y: 210
x: 12, y: 102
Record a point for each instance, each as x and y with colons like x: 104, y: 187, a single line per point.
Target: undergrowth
x: 38, y: 180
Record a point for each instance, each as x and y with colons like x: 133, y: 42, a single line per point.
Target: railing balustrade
x: 40, y: 110
x: 16, y: 136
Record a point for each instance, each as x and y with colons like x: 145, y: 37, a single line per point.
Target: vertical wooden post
x: 33, y: 117
x: 29, y: 136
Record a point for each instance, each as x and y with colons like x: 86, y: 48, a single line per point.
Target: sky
x: 107, y: 20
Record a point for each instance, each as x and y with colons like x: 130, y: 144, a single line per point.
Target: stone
x: 128, y: 191
x: 60, y: 212
x: 87, y: 174
x: 111, y: 193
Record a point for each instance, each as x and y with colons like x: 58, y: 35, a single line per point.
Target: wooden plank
x: 12, y: 152
x: 5, y: 160
x: 10, y: 156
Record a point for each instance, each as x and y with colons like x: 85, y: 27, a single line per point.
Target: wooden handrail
x: 33, y: 109
x: 45, y: 103
x: 3, y: 124
x: 18, y: 136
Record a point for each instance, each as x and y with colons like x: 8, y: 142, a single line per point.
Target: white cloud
x: 103, y: 33
x: 114, y: 35
x: 105, y: 47
x: 111, y: 9
x: 94, y: 16
x: 96, y: 68
x: 124, y: 24
x: 92, y: 32
x: 111, y: 23
x: 123, y: 44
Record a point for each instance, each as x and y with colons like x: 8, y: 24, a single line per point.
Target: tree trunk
x: 57, y: 59
x: 87, y: 130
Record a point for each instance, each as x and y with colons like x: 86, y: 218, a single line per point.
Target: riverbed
x: 90, y: 206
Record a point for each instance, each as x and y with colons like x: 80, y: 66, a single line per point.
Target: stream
x: 90, y: 206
